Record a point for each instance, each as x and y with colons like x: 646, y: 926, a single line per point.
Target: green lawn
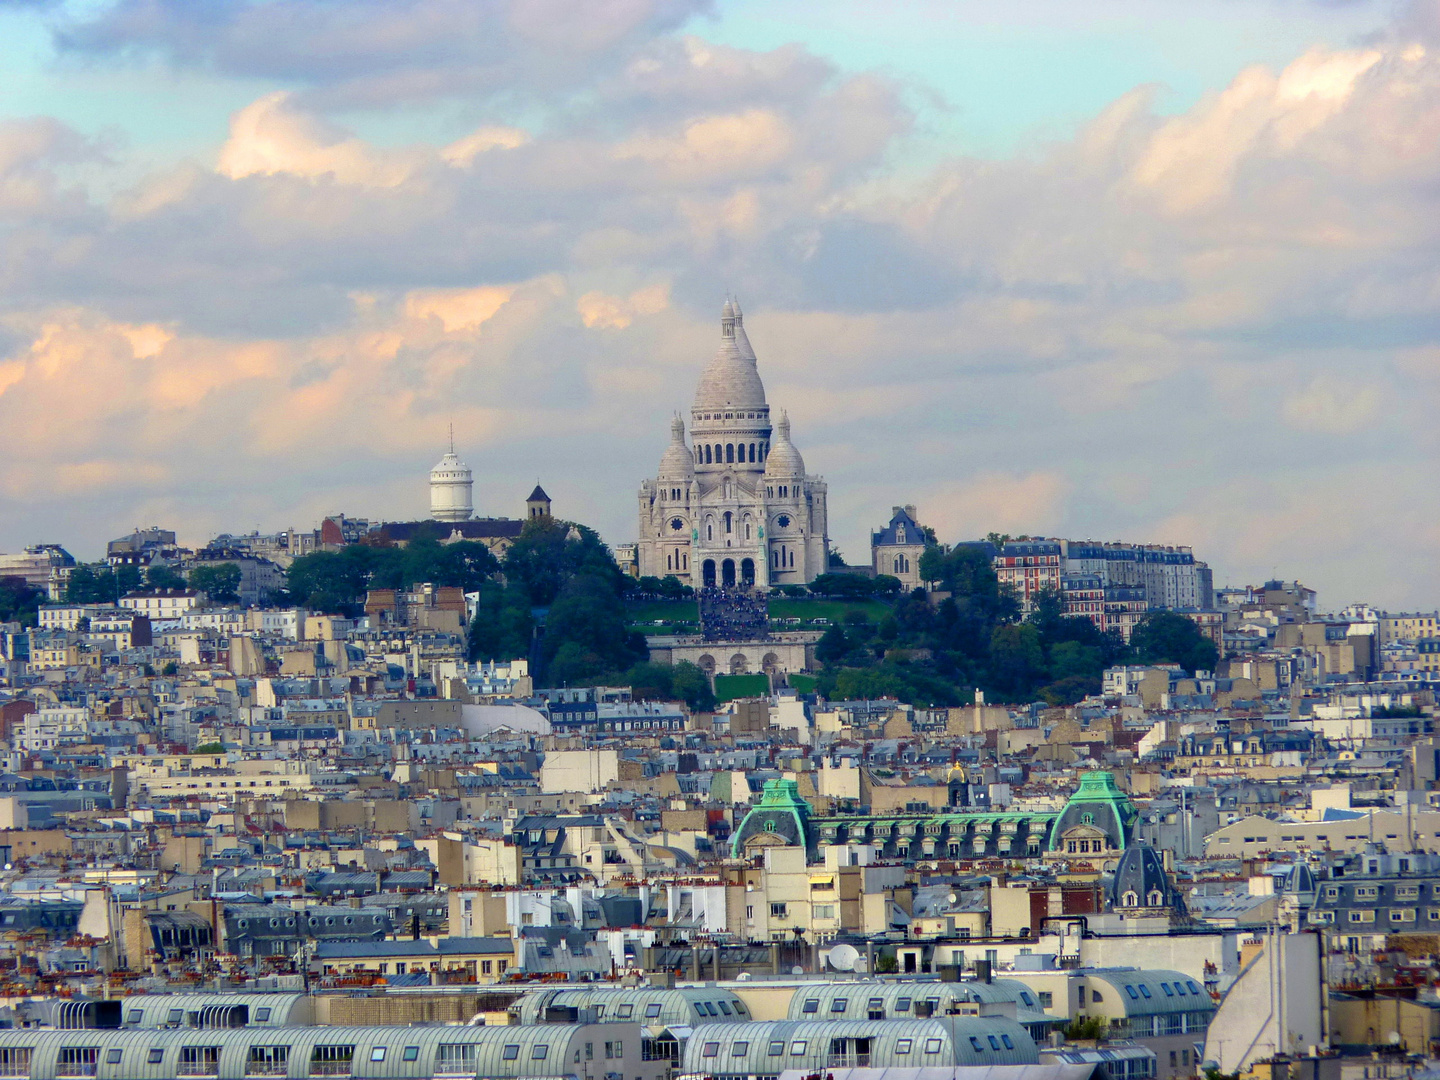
x: 834, y: 610
x: 730, y: 687
x: 644, y: 615
x: 667, y: 610
x: 805, y: 684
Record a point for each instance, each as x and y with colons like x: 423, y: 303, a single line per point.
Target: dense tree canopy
x: 335, y: 582
x: 19, y: 601
x: 1164, y: 637
x: 100, y: 583
x: 220, y: 582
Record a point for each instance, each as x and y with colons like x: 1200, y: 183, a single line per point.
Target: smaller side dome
x: 677, y: 463
x: 784, y: 460
x: 1141, y: 881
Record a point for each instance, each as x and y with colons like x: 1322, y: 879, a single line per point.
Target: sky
x: 1141, y: 270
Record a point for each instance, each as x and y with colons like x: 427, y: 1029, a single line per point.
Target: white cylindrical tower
x: 450, y: 487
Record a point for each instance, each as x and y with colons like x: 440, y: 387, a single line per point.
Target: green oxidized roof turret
x: 1098, y: 801
x: 781, y: 813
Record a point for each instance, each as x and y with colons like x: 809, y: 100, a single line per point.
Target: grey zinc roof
x: 1145, y: 993
x: 147, y: 1011
x: 489, y: 1056
x: 770, y: 1047
x: 651, y: 1006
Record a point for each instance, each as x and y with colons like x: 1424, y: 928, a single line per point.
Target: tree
x: 503, y: 627
x: 692, y: 686
x: 833, y: 645
x: 99, y: 583
x: 549, y: 553
x: 161, y: 576
x: 886, y: 585
x: 852, y: 586
x: 219, y: 581
x: 1163, y: 637
x: 1017, y: 662
x: 19, y: 601
x: 586, y: 636
x: 334, y: 582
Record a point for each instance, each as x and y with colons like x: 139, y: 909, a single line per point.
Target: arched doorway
x: 707, y: 664
x: 747, y: 571
x: 727, y: 573
x: 739, y: 665
x: 708, y: 573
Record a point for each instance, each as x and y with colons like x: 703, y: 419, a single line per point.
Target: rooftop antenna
x: 452, y: 436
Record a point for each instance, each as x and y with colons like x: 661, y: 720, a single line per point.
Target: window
x: 457, y: 1059
x: 975, y: 1044
x: 511, y: 1051
x: 412, y: 1053
x: 839, y: 1005
x: 712, y: 1049
x: 902, y: 1046
x: 78, y: 1061
x: 1047, y: 999
x: 261, y: 1061
x: 156, y: 1055
x: 135, y: 1016
x: 199, y: 1061
x: 994, y: 1042
x: 599, y: 1012
x: 540, y: 1052
x: 262, y: 1016
x: 331, y: 1060
x: 1144, y: 991
x: 724, y: 1007
x: 797, y: 1048
x: 175, y: 1016
x: 811, y: 1005
x: 709, y: 1008
x: 932, y: 1046
x: 902, y: 1004
x: 1131, y: 991
x: 777, y: 911
x: 624, y: 1011
x: 824, y: 911
x: 1166, y: 987
x: 377, y: 1053
x: 1009, y: 1044
x: 1193, y: 988
x: 1402, y: 914
x: 15, y: 1060
x: 777, y: 1048
x: 1028, y: 1000
x: 112, y: 1057
x: 652, y: 1010
x: 740, y: 1049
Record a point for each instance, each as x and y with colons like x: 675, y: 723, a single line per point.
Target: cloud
x: 269, y: 137
x: 1334, y: 406
x: 1030, y: 503
x: 599, y: 311
x: 384, y: 51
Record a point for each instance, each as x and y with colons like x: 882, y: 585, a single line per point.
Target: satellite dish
x: 844, y: 957
x: 1394, y: 1038
x: 744, y: 976
x: 797, y: 970
x: 953, y: 898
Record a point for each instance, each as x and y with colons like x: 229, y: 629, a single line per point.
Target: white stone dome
x: 731, y: 381
x: 784, y: 460
x: 677, y: 463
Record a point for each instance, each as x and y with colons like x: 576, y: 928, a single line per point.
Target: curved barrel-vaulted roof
x: 147, y: 1011
x: 365, y: 1053
x: 1152, y: 992
x: 914, y: 1000
x: 652, y: 1006
x: 763, y: 1048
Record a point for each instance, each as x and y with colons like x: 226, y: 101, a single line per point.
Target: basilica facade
x: 734, y: 505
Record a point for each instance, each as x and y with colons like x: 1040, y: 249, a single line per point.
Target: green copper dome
x: 1098, y: 801
x: 781, y: 812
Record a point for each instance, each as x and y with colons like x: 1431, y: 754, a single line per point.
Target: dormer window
x: 900, y: 533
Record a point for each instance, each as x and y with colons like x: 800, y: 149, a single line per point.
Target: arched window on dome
x: 1155, y: 899
x: 730, y: 453
x: 1130, y: 899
